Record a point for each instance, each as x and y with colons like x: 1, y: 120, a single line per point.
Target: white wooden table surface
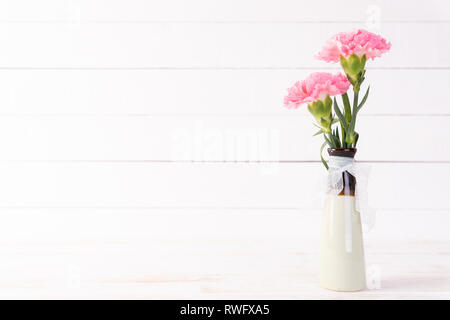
x: 210, y: 254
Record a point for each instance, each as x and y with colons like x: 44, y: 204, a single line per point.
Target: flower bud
x: 321, y: 110
x: 353, y: 67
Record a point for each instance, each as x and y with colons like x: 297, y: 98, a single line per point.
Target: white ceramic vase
x: 342, y: 266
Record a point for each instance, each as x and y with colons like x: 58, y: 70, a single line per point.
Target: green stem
x: 355, y: 112
x: 350, y: 137
x: 355, y: 100
x: 355, y: 109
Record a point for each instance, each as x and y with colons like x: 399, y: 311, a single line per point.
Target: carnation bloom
x: 317, y: 86
x: 359, y: 42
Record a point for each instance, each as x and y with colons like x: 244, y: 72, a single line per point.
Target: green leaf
x: 364, y: 99
x: 317, y: 133
x: 347, y: 109
x: 340, y: 115
x: 338, y: 139
x: 356, y: 138
x: 335, y: 143
x: 328, y: 141
x: 344, y: 145
x: 321, y: 156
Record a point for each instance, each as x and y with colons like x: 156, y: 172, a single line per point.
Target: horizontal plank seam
x: 187, y: 115
x: 143, y: 68
x: 131, y: 161
x: 124, y: 21
x: 231, y: 208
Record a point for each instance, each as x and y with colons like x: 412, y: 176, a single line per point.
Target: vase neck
x: 342, y: 152
x: 340, y: 158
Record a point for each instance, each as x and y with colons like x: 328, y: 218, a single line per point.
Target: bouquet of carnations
x: 351, y: 50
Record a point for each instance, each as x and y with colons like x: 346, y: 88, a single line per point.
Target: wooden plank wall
x: 133, y: 127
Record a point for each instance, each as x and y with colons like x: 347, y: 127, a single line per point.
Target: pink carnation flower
x: 359, y: 42
x: 317, y: 86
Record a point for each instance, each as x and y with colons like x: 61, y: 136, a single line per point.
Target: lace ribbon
x: 335, y: 184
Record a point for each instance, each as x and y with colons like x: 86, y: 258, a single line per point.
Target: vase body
x: 342, y: 266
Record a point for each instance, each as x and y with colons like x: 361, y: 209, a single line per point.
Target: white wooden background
x: 145, y: 152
